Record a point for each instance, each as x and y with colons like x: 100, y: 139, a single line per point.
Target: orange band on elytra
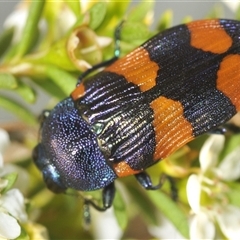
x: 228, y: 78
x: 137, y: 68
x: 209, y: 36
x: 78, y: 92
x: 172, y: 130
x: 122, y: 169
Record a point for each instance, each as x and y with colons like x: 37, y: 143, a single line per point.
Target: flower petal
x: 194, y: 192
x: 209, y: 153
x: 4, y: 140
x: 165, y: 230
x: 229, y: 168
x: 9, y: 227
x: 103, y: 220
x: 228, y: 218
x: 3, y: 183
x: 1, y: 162
x: 201, y: 227
x: 103, y: 41
x: 13, y: 202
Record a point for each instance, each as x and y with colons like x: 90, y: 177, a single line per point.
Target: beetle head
x: 68, y: 154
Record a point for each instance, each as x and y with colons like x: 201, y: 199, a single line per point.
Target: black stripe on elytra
x: 188, y: 75
x: 117, y: 111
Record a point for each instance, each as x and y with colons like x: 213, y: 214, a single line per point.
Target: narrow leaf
x: 24, y: 234
x: 120, y: 210
x: 143, y: 204
x: 65, y: 81
x: 19, y: 110
x: 132, y: 31
x: 231, y: 143
x: 171, y: 210
x: 26, y: 92
x: 51, y: 88
x: 12, y: 177
x: 216, y: 12
x: 140, y: 11
x: 30, y: 28
x: 5, y: 39
x: 234, y: 194
x: 165, y: 21
x: 97, y: 14
x: 237, y: 13
x: 7, y: 81
x: 75, y: 7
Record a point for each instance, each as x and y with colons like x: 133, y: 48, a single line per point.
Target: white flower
x: 9, y: 227
x: 13, y: 203
x: 165, y: 229
x: 105, y: 220
x: 207, y: 193
x: 12, y: 207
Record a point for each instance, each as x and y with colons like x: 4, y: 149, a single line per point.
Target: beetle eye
x: 50, y: 175
x: 35, y: 156
x: 53, y: 180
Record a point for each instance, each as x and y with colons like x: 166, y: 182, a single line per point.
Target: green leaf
x: 65, y: 81
x: 19, y: 110
x: 140, y: 11
x: 187, y: 19
x: 26, y: 92
x: 237, y: 13
x: 97, y: 14
x: 7, y: 81
x: 12, y: 177
x: 231, y: 143
x: 23, y: 235
x: 143, y: 204
x: 58, y: 55
x: 30, y: 29
x: 114, y: 15
x: 132, y: 31
x: 234, y: 194
x: 120, y: 210
x: 5, y: 40
x: 171, y: 210
x: 216, y: 12
x: 75, y: 7
x: 51, y: 88
x: 165, y: 21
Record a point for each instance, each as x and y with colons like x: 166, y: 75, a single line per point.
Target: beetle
x: 183, y: 82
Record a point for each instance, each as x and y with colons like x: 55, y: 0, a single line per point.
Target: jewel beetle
x: 183, y: 82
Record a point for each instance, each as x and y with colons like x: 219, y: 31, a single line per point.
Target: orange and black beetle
x: 181, y: 83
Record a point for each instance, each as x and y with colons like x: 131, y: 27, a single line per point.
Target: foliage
x: 48, y: 49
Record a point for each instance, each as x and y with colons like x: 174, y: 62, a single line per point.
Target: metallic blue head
x: 68, y: 154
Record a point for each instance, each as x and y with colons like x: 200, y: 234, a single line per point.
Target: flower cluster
x: 208, y: 193
x: 14, y: 220
x: 12, y: 206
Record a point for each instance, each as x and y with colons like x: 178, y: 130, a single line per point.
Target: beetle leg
x: 146, y: 182
x: 173, y: 188
x: 117, y: 36
x: 108, y: 194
